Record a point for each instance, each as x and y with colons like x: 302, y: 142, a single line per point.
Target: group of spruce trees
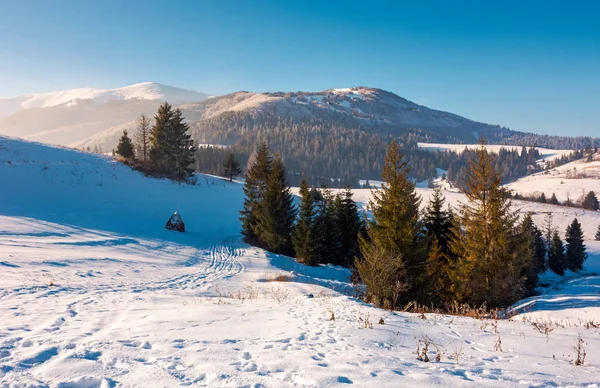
x: 482, y: 253
x: 164, y: 150
x: 323, y: 230
x: 561, y: 256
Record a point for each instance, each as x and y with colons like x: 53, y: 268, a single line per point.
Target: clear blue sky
x: 529, y: 65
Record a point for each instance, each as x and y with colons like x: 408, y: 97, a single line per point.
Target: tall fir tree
x: 575, y: 253
x: 171, y: 146
x: 557, y: 260
x: 254, y: 188
x: 142, y: 138
x: 394, y: 236
x: 536, y: 254
x: 350, y: 226
x: 276, y: 212
x: 438, y: 223
x: 125, y: 146
x: 326, y: 228
x: 487, y: 244
x: 304, y: 238
x: 231, y: 167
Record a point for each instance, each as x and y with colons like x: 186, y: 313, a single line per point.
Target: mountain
x: 72, y: 116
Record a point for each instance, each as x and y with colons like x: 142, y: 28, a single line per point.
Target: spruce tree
x: 591, y: 201
x: 142, y: 138
x: 254, y: 188
x: 575, y: 254
x: 125, y: 146
x: 536, y: 254
x: 327, y: 236
x: 304, y: 234
x: 276, y: 212
x: 598, y: 234
x: 557, y: 260
x: 394, y: 236
x: 171, y: 147
x: 488, y: 246
x: 553, y: 200
x: 231, y: 167
x: 542, y: 198
x: 438, y: 223
x: 350, y: 226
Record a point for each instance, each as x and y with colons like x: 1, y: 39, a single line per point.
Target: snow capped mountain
x: 144, y: 91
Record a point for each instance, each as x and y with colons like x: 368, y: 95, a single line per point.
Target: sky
x: 529, y: 65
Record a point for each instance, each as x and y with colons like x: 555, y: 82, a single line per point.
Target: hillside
x: 74, y: 116
x: 96, y: 293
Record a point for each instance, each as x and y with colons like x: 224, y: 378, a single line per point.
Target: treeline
x: 164, y: 149
x: 323, y: 151
x: 587, y: 202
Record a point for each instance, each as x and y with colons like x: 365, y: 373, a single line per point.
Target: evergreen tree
x: 142, y: 138
x: 254, y: 188
x: 575, y: 254
x: 557, y: 260
x: 171, y: 147
x: 486, y: 241
x: 327, y: 234
x: 394, y: 236
x: 276, y: 212
x: 536, y: 254
x: 304, y: 238
x: 553, y: 200
x: 350, y: 226
x: 231, y: 167
x: 542, y: 198
x: 125, y: 146
x: 598, y: 234
x: 591, y: 202
x: 438, y: 223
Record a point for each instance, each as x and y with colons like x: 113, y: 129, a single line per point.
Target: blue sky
x: 532, y: 66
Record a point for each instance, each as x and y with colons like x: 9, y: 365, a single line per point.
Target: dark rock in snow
x: 175, y: 223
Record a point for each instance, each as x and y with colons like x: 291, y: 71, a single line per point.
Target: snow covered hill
x: 96, y: 293
x: 79, y: 116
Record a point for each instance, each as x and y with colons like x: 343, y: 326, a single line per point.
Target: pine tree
x: 598, y: 234
x: 438, y: 223
x: 536, y: 254
x: 394, y: 236
x: 542, y: 198
x: 487, y: 244
x: 171, y: 147
x: 553, y: 200
x: 575, y: 254
x: 304, y: 237
x: 231, y: 167
x: 557, y: 260
x: 350, y: 226
x: 125, y: 146
x: 548, y: 229
x: 142, y: 138
x: 327, y: 234
x: 591, y: 202
x: 254, y: 188
x: 276, y: 212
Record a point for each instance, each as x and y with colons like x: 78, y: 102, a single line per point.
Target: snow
x: 145, y: 90
x: 96, y: 293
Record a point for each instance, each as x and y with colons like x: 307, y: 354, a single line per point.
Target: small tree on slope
x: 125, y: 146
x: 142, y: 138
x: 231, y: 167
x: 575, y: 254
x: 536, y: 254
x: 557, y: 260
x: 254, y: 188
x: 303, y: 236
x: 276, y: 212
x: 590, y: 201
x: 598, y: 234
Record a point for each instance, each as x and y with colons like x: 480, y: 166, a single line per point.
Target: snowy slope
x: 571, y: 180
x: 144, y: 91
x: 95, y: 293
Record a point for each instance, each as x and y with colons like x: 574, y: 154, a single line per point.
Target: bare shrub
x: 579, y: 351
